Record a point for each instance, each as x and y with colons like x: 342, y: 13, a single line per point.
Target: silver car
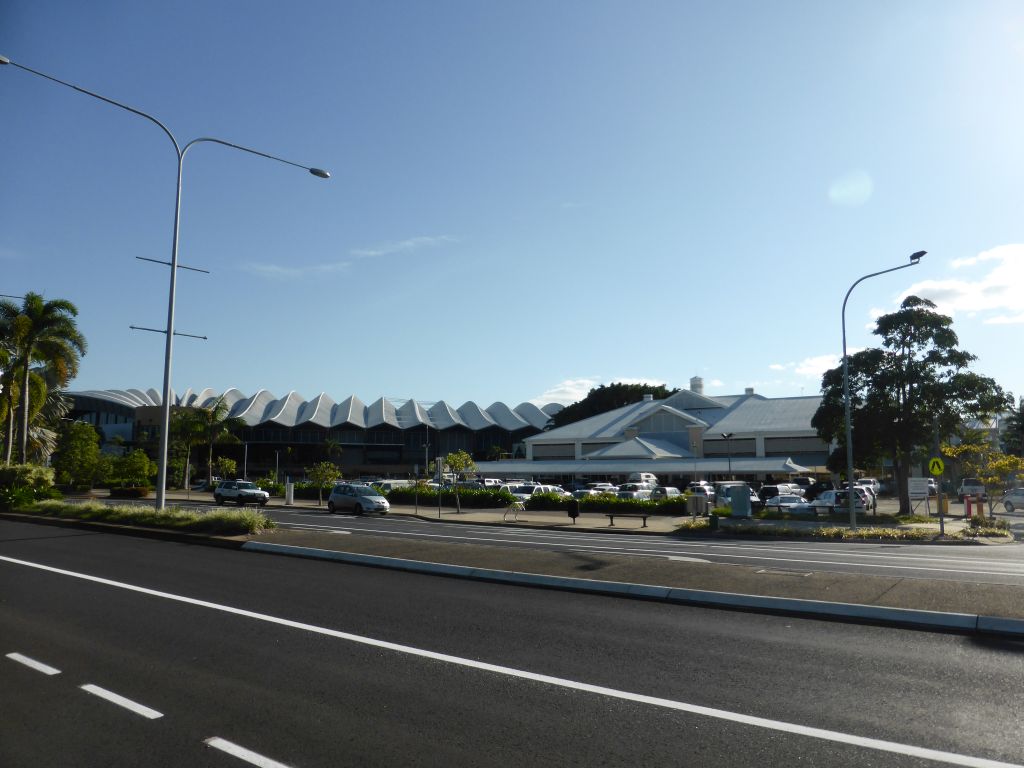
x: 1013, y: 499
x: 360, y: 499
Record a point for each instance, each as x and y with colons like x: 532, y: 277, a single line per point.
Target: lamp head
x: 4, y: 59
x: 320, y: 172
x: 916, y: 257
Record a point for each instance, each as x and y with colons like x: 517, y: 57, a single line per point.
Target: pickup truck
x: 241, y: 492
x: 971, y: 486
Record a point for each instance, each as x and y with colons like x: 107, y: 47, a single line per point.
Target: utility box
x: 289, y: 493
x: 696, y: 505
x: 740, y: 504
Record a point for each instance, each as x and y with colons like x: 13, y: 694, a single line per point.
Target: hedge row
x: 468, y: 497
x: 606, y: 503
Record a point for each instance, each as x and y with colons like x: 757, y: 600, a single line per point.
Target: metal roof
x: 293, y: 410
x: 739, y: 466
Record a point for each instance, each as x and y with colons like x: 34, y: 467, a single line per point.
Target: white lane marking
x: 38, y: 666
x: 253, y: 758
x: 581, y: 546
x: 121, y: 701
x: 950, y: 758
x: 679, y: 558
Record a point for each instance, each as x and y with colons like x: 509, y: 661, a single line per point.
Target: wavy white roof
x: 292, y: 410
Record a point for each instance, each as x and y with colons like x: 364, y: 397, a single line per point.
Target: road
x: 969, y: 563
x: 309, y: 663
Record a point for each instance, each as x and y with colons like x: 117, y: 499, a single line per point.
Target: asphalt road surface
x: 1002, y: 564
x: 120, y: 651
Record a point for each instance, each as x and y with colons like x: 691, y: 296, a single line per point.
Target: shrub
x: 469, y: 497
x: 271, y: 486
x: 220, y: 522
x: 25, y: 475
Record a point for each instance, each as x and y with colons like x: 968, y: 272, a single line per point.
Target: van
x: 723, y: 489
x: 644, y: 477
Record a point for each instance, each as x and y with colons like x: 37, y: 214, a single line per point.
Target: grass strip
x: 218, y: 523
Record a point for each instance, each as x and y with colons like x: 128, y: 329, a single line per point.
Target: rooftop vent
x: 697, y: 385
x: 748, y: 391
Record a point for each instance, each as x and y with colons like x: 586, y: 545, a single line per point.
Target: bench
x: 513, y: 509
x: 612, y: 515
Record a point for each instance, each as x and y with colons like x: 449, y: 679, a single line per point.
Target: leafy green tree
x: 44, y: 332
x: 606, y: 398
x: 187, y: 432
x: 915, y: 386
x: 134, y: 469
x: 226, y: 467
x: 1013, y: 434
x: 322, y: 474
x: 77, y: 454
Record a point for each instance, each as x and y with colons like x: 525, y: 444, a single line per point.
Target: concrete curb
x: 853, y: 612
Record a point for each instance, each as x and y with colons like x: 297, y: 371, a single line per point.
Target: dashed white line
x: 38, y: 666
x: 253, y: 758
x: 121, y: 701
x: 837, y: 737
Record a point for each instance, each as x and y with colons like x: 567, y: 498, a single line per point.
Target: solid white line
x: 950, y: 758
x: 121, y: 701
x: 38, y: 666
x: 253, y: 758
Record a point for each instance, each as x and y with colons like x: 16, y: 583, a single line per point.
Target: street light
x: 914, y: 259
x: 165, y: 416
x: 728, y: 448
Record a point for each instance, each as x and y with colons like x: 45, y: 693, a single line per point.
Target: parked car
x: 783, y: 502
x: 871, y: 483
x: 765, y: 492
x: 206, y: 485
x: 603, y: 487
x: 665, y: 492
x: 834, y: 501
x: 970, y: 486
x: 1013, y: 499
x: 634, y: 491
x: 359, y: 499
x: 241, y: 492
x: 701, y: 490
x: 524, y: 492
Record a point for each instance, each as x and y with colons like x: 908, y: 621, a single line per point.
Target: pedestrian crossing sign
x: 936, y: 466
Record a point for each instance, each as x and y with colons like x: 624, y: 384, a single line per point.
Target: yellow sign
x: 935, y: 466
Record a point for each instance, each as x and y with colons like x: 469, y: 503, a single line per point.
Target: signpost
x: 937, y: 466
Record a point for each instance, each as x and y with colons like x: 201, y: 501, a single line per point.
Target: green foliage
x: 218, y: 523
x: 917, y: 382
x: 470, y: 497
x: 1013, y: 432
x: 134, y: 469
x: 271, y: 486
x: 606, y: 398
x: 42, y: 332
x: 22, y: 475
x: 460, y: 463
x: 225, y: 467
x: 322, y: 474
x: 993, y: 468
x: 77, y: 455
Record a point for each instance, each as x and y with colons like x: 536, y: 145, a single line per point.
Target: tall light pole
x: 165, y: 416
x: 850, y: 499
x: 728, y: 449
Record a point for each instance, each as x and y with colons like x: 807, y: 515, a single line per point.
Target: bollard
x: 967, y: 507
x: 712, y: 522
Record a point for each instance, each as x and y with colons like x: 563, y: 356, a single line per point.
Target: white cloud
x: 992, y: 295
x: 716, y: 383
x: 403, y: 246
x: 573, y: 390
x: 294, y: 272
x: 851, y: 189
x: 810, y: 367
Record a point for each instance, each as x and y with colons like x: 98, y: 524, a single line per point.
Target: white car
x: 634, y: 491
x: 1013, y: 499
x: 871, y: 483
x: 783, y: 502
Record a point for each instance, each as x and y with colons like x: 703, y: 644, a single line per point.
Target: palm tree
x: 44, y: 332
x: 188, y: 430
x: 216, y: 428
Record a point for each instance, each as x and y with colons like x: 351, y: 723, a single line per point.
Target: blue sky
x: 528, y: 199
